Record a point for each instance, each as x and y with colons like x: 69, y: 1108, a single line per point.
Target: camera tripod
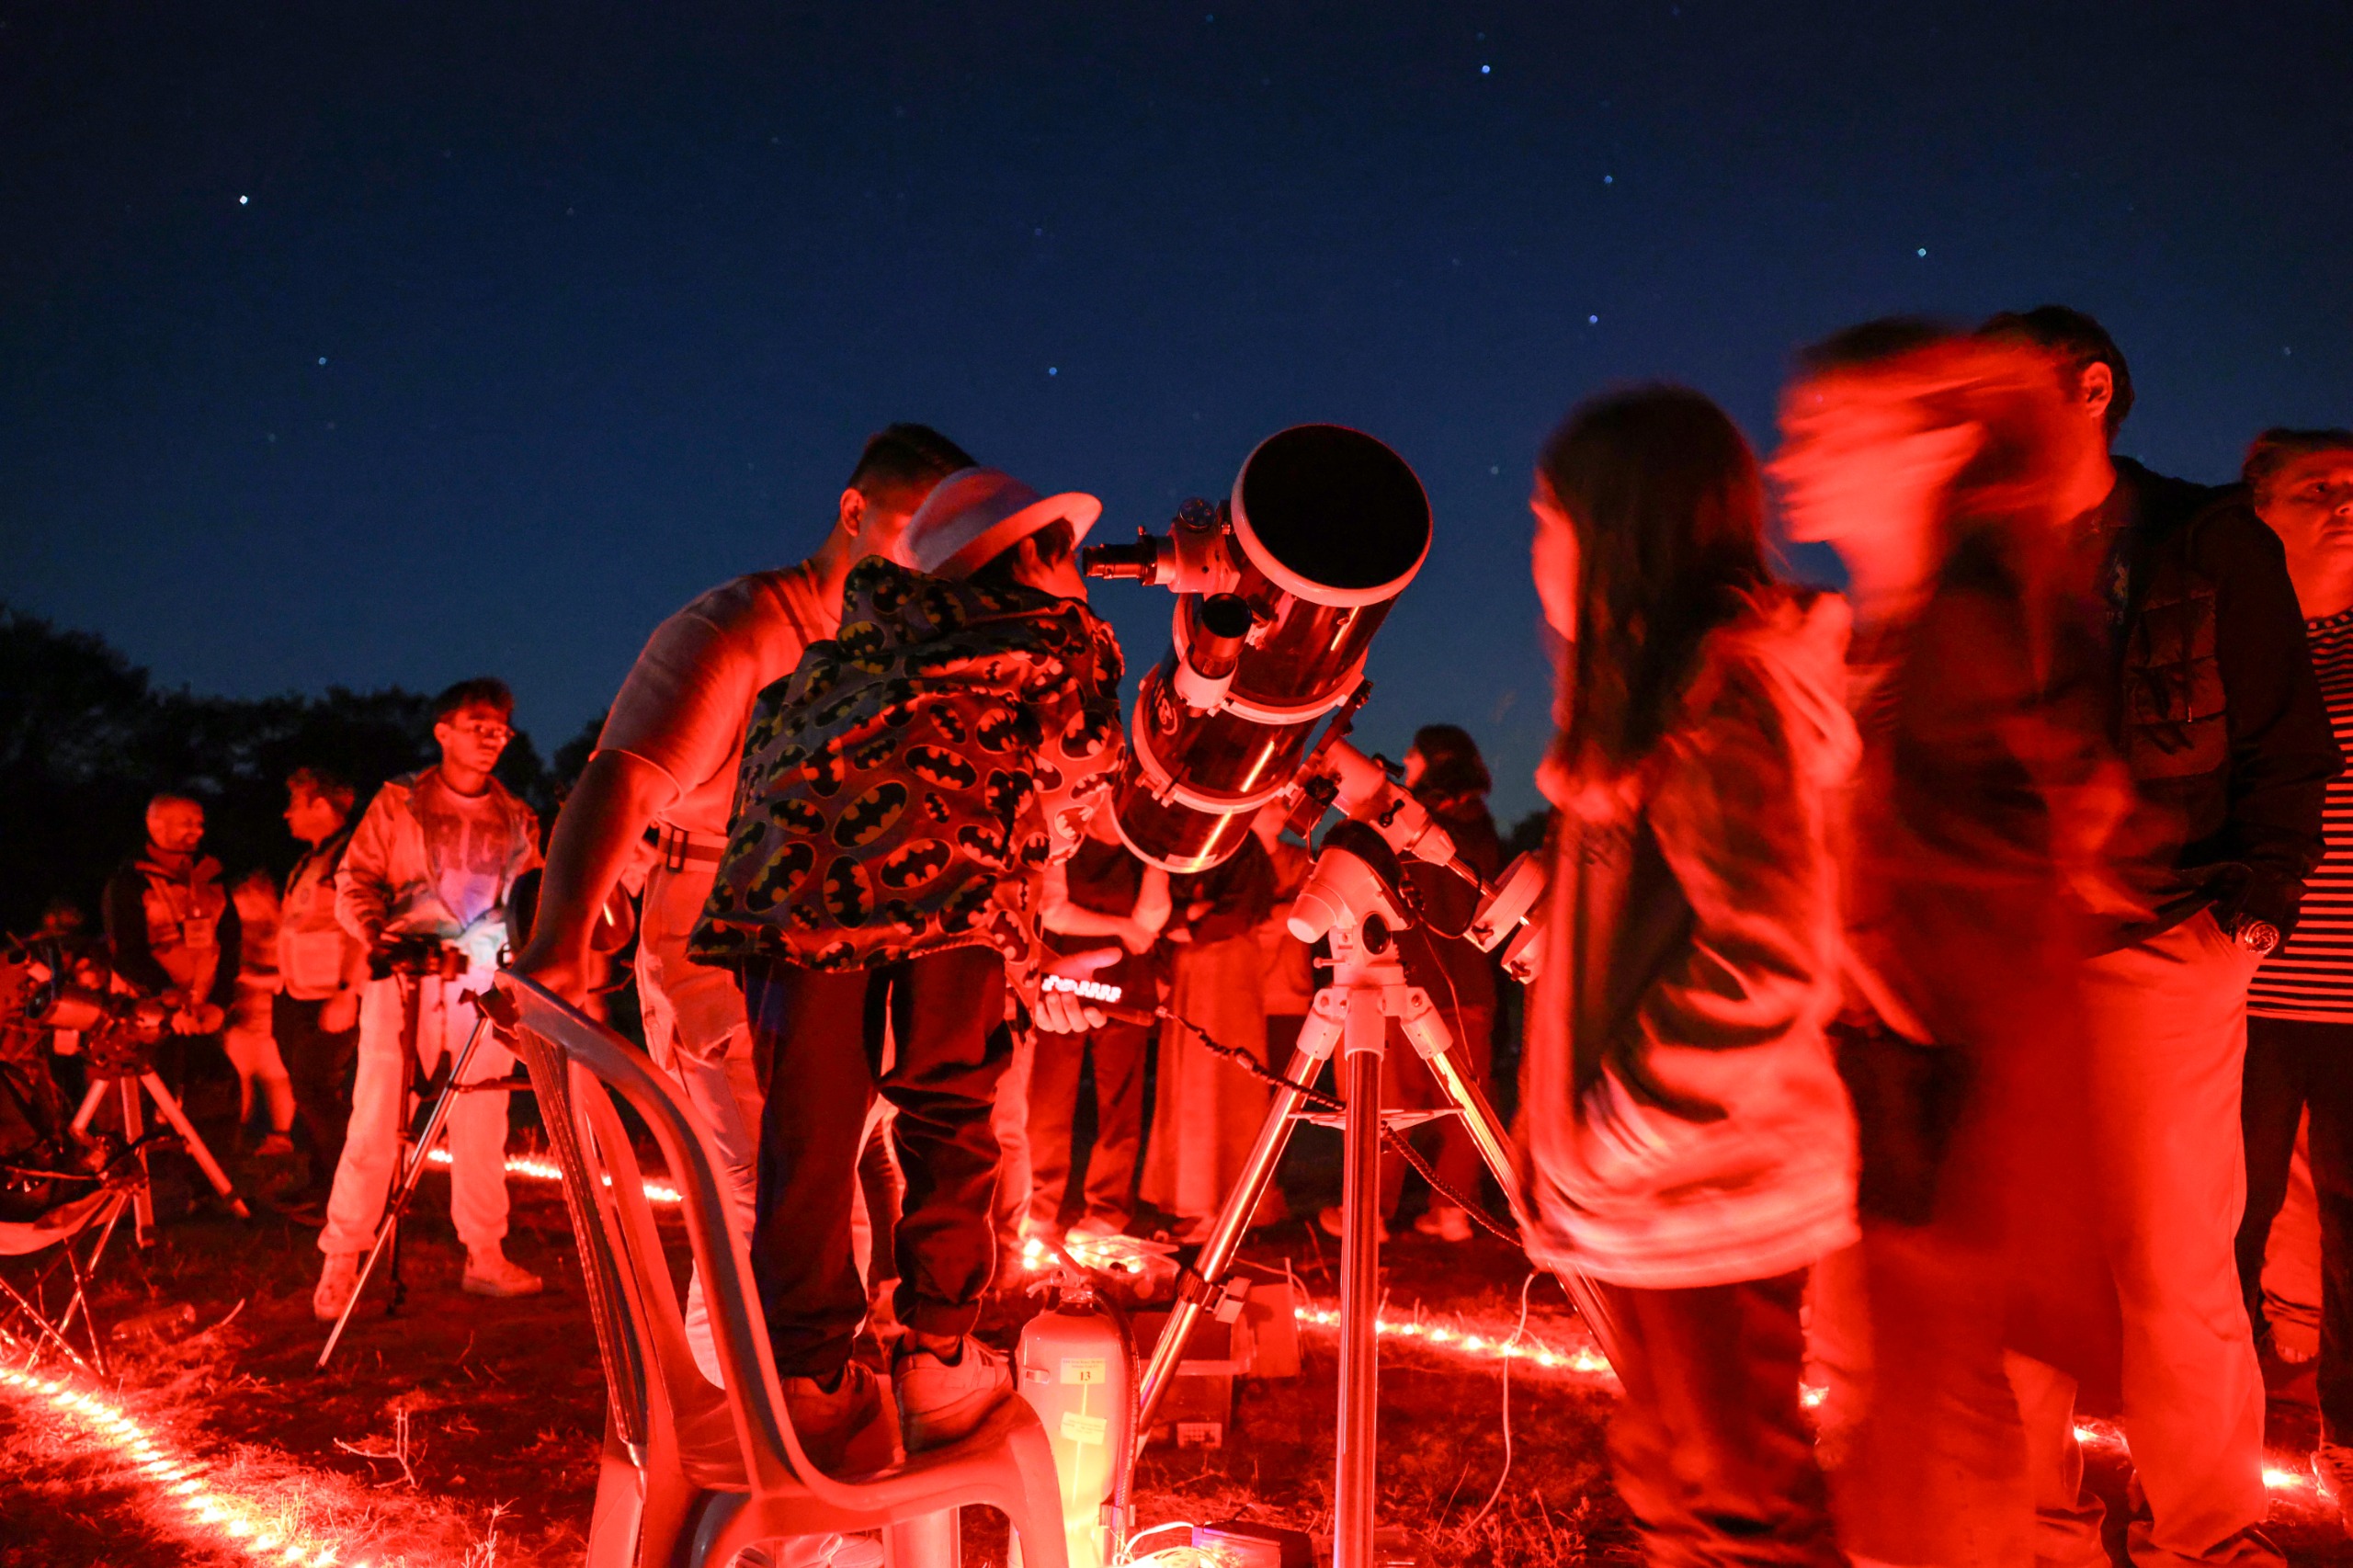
x: 414, y: 1151
x: 1367, y: 989
x: 126, y: 1088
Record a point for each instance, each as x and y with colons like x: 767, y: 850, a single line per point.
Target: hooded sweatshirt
x: 1686, y: 1125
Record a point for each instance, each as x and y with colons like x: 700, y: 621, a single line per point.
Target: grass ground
x: 465, y: 1431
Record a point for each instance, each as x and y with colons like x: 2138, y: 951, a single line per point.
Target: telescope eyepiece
x: 1137, y: 563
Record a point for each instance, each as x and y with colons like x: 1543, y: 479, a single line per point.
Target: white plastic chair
x: 692, y: 1474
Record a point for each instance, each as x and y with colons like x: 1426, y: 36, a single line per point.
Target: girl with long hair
x: 1689, y: 1151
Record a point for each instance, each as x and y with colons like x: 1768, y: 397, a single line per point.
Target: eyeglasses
x: 495, y: 734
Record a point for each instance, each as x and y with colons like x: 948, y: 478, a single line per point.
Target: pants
x: 1714, y: 1458
x: 476, y: 1128
x: 2167, y: 1047
x: 2292, y: 1282
x: 319, y: 1066
x: 820, y: 1037
x: 1119, y: 1053
x: 1009, y: 1205
x: 2291, y: 1065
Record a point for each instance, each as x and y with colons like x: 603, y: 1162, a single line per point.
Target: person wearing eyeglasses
x: 436, y: 855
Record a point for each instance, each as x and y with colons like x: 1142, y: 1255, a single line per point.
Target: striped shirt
x: 2311, y: 976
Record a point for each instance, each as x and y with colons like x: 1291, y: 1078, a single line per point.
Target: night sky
x: 360, y: 344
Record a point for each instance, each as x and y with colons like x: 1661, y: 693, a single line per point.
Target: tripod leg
x: 1494, y: 1144
x: 134, y: 1123
x: 413, y: 1171
x: 90, y: 1103
x: 1357, y: 1442
x: 194, y: 1144
x: 1233, y: 1221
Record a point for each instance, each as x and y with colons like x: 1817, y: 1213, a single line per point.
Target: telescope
x: 1280, y: 589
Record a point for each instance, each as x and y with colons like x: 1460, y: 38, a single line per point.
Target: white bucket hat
x: 975, y: 514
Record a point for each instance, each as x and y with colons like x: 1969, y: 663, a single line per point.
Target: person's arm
x: 603, y: 821
x: 1057, y: 914
x: 2283, y: 751
x: 362, y: 883
x: 124, y: 910
x: 231, y: 936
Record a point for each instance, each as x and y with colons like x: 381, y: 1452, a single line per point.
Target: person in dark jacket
x: 174, y: 930
x: 2221, y: 722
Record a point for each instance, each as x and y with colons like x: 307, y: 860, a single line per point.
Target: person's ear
x: 852, y: 515
x: 2097, y: 389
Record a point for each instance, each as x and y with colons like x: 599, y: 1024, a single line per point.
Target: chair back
x: 650, y: 1363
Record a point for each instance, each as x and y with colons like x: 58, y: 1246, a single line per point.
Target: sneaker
x: 493, y: 1274
x: 273, y: 1147
x: 941, y: 1401
x: 2335, y: 1462
x: 1334, y: 1221
x: 1445, y: 1223
x: 840, y: 1427
x: 338, y: 1282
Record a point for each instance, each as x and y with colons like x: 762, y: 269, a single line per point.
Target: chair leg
x: 619, y: 1509
x: 1039, y: 1524
x: 934, y: 1540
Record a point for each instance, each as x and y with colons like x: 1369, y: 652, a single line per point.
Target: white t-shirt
x: 688, y: 698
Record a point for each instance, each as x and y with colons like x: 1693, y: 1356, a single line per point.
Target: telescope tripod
x: 1367, y: 989
x: 413, y: 1158
x: 127, y: 1089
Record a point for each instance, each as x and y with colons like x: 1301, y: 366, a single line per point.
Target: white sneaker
x: 493, y: 1274
x: 1445, y: 1221
x: 338, y: 1282
x: 939, y: 1401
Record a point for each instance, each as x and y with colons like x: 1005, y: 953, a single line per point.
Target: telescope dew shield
x: 1325, y: 529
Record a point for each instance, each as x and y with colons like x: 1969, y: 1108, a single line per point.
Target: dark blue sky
x: 360, y: 344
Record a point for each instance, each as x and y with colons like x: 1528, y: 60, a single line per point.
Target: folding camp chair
x: 692, y: 1474
x: 38, y: 1310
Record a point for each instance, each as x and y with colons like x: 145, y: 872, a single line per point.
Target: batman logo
x: 870, y: 815
x: 950, y: 724
x: 838, y: 955
x: 997, y: 730
x: 820, y: 677
x: 934, y: 765
x: 1050, y: 778
x: 862, y: 644
x: 796, y: 816
x: 1036, y: 849
x: 900, y: 700
x: 839, y: 709
x: 779, y: 877
x: 804, y: 917
x: 723, y: 900
x: 937, y: 662
x: 847, y: 898
x: 887, y: 590
x: 912, y: 864
x: 900, y: 916
x: 935, y: 808
x: 826, y: 772
x: 869, y: 755
x: 768, y: 725
x: 1089, y: 732
x: 942, y: 607
x: 968, y: 901
x: 983, y: 840
x: 1005, y: 793
x: 746, y: 839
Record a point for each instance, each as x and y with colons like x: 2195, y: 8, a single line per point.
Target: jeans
x: 819, y: 1037
x: 2292, y: 1064
x: 1712, y: 1455
x: 1118, y: 1052
x: 320, y: 1067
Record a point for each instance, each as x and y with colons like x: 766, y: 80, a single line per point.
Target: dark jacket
x: 2218, y: 716
x: 174, y: 933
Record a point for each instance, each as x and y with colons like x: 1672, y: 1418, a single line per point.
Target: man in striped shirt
x: 2299, y: 1006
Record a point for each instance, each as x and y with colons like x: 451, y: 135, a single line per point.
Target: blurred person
x: 2291, y: 1282
x: 1688, y: 1150
x: 2299, y: 1006
x: 1206, y: 1112
x: 321, y: 968
x: 901, y: 796
x: 250, y: 1041
x: 2221, y: 722
x: 653, y: 803
x: 1977, y: 832
x: 1102, y: 912
x: 174, y: 933
x: 435, y: 856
